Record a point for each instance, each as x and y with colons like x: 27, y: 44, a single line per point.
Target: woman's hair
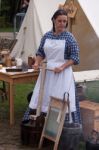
x: 56, y: 14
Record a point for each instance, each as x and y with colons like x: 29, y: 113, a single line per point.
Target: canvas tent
x: 84, y: 27
x: 36, y: 22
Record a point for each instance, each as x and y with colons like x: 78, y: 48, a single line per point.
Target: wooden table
x: 16, y: 78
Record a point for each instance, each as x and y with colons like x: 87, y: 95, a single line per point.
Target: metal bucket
x: 70, y: 136
x: 81, y: 92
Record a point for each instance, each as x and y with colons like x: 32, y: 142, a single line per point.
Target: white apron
x: 56, y: 84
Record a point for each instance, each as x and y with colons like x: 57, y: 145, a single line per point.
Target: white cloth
x: 56, y: 84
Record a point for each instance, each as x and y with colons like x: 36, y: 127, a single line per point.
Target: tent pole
x: 70, y: 24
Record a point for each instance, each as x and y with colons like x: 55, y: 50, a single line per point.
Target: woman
x: 61, y: 51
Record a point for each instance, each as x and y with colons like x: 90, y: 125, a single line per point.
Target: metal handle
x: 68, y: 103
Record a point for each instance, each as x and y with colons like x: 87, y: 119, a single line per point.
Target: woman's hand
x: 64, y: 66
x: 35, y: 66
x: 37, y: 63
x: 58, y: 69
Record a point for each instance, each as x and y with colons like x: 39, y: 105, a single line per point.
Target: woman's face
x: 60, y: 23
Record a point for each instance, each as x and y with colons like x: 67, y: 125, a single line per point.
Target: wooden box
x: 90, y: 117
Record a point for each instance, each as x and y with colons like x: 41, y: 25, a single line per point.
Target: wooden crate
x: 90, y: 117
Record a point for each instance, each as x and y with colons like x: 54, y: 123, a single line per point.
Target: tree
x: 8, y: 9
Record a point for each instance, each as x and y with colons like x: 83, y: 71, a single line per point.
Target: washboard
x: 54, y: 121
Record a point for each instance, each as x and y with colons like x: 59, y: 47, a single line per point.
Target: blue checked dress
x: 57, y: 49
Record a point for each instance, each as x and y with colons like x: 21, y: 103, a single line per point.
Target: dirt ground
x: 10, y: 137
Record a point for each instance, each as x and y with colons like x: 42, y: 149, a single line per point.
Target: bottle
x: 8, y: 62
x: 31, y: 61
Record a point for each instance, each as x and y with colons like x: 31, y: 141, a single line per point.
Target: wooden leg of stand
x: 41, y: 142
x: 55, y: 146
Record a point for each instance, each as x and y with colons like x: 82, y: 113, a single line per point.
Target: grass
x: 22, y: 90
x: 82, y: 146
x: 21, y: 97
x: 92, y: 91
x: 20, y: 100
x: 6, y: 29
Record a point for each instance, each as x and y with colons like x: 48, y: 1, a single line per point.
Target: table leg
x: 11, y: 103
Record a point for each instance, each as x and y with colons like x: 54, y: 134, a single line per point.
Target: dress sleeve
x: 40, y: 51
x: 74, y: 50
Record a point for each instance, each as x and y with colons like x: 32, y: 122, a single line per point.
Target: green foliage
x: 7, y: 11
x: 92, y: 92
x: 6, y: 29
